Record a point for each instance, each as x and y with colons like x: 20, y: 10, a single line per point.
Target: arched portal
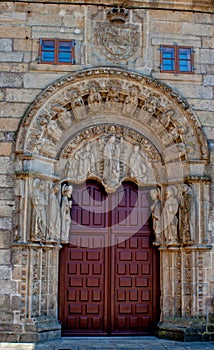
x: 113, y: 126
x: 109, y: 271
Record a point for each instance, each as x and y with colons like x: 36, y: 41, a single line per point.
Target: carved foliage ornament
x: 111, y: 91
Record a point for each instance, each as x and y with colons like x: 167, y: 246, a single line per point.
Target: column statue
x: 66, y: 205
x: 156, y: 216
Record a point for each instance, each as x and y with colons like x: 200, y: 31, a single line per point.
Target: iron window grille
x: 56, y: 51
x: 176, y: 59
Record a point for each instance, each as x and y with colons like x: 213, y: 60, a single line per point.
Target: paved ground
x: 121, y: 343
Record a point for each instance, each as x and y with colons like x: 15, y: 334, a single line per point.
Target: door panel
x: 108, y: 272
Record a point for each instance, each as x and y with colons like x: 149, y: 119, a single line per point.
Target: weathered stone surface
x: 5, y: 257
x: 12, y: 32
x: 5, y: 273
x: 11, y: 57
x: 9, y: 124
x: 15, y: 110
x: 6, y: 45
x: 8, y: 286
x: 10, y: 80
x: 5, y: 224
x: 5, y: 239
x: 197, y: 29
x: 209, y: 80
x: 25, y: 95
x: 38, y: 80
x: 5, y: 148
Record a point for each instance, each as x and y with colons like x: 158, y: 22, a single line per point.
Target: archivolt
x: 63, y: 113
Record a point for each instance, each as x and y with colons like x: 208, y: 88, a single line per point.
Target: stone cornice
x: 184, y: 5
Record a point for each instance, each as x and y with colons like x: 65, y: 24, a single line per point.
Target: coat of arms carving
x: 116, y: 42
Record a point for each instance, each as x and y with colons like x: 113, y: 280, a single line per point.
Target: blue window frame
x: 57, y: 51
x: 176, y: 59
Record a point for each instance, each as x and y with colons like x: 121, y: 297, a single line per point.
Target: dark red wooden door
x: 108, y: 280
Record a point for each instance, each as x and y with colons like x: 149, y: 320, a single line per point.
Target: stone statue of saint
x: 131, y: 103
x: 94, y: 99
x: 53, y: 130
x: 137, y: 165
x: 156, y: 215
x: 39, y: 224
x: 66, y: 205
x: 86, y: 161
x: 54, y: 218
x: 108, y: 154
x: 170, y: 220
x: 187, y: 215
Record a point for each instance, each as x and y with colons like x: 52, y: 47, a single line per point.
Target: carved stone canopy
x: 83, y: 105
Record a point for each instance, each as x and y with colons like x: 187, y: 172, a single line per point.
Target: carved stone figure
x: 54, y: 218
x: 39, y: 224
x: 187, y: 215
x: 108, y: 154
x: 53, y: 130
x: 170, y: 220
x: 66, y: 205
x: 137, y: 165
x: 86, y: 161
x: 64, y: 117
x: 46, y: 147
x: 131, y: 103
x: 156, y: 215
x: 94, y: 99
x: 77, y: 105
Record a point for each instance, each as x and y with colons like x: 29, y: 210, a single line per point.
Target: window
x: 176, y: 59
x: 54, y: 51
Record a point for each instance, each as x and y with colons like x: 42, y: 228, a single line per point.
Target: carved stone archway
x: 63, y: 138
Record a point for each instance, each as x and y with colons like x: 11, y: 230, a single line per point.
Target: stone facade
x: 51, y: 114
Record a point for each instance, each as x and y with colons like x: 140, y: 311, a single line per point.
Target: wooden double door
x: 108, y: 277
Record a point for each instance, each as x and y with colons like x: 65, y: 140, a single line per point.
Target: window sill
x: 44, y: 67
x: 175, y: 76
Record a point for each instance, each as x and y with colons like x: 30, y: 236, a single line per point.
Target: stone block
x: 39, y: 80
x: 41, y: 20
x: 6, y: 193
x: 22, y: 45
x: 197, y: 29
x: 5, y: 257
x: 10, y: 80
x: 6, y: 181
x: 209, y: 132
x: 6, y: 165
x: 208, y: 43
x: 8, y: 287
x: 207, y: 56
x: 17, y: 273
x: 8, y: 337
x: 5, y: 302
x: 9, y: 124
x: 6, y: 208
x: 11, y: 56
x: 15, y: 68
x: 5, y: 273
x: 21, y: 95
x: 15, y: 110
x: 204, y: 105
x: 194, y: 42
x: 209, y: 80
x: 202, y: 18
x: 6, y: 45
x: 15, y: 303
x: 15, y: 32
x: 5, y: 239
x: 163, y: 27
x: 194, y: 91
x: 5, y: 224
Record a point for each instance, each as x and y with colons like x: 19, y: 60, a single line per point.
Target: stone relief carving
x: 39, y: 204
x: 66, y: 205
x: 116, y: 42
x: 169, y: 216
x: 111, y: 157
x: 187, y: 215
x: 53, y: 214
x: 156, y: 216
x: 66, y: 102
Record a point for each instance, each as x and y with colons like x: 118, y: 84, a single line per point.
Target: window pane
x: 185, y: 66
x: 48, y: 56
x: 48, y: 45
x: 168, y: 65
x: 185, y: 54
x: 65, y: 46
x: 64, y: 57
x: 168, y: 52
